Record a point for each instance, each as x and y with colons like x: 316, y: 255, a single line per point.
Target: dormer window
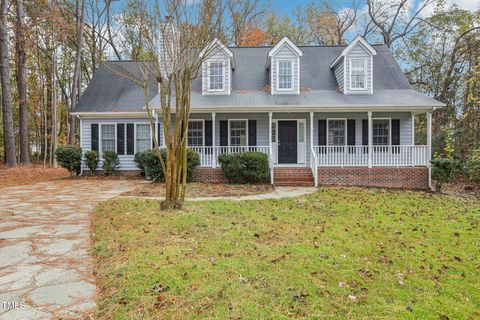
x: 216, y: 75
x: 358, y: 74
x: 285, y: 75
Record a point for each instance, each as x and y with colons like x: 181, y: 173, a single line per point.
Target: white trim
x: 281, y: 43
x: 100, y: 143
x: 277, y: 65
x: 208, y: 63
x: 349, y: 48
x: 412, y: 124
x: 298, y: 142
x: 371, y: 74
x: 214, y: 161
x: 346, y: 131
x: 135, y: 135
x: 344, y: 76
x: 246, y: 131
x: 389, y: 130
x: 203, y: 131
x: 216, y: 42
x: 365, y: 69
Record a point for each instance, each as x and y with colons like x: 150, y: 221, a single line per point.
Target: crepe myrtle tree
x: 174, y: 37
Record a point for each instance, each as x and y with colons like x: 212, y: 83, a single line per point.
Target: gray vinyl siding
x: 339, y: 74
x: 217, y: 56
x: 285, y: 53
x: 404, y: 117
x: 126, y: 161
x: 358, y: 52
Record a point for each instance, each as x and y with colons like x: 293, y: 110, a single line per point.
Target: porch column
x: 429, y: 147
x: 413, y: 129
x: 311, y: 129
x: 270, y: 114
x: 370, y: 138
x: 214, y: 151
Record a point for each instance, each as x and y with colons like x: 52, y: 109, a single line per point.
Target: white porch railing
x: 382, y: 156
x: 209, y: 155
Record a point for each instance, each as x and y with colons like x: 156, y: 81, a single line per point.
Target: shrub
x: 473, y: 166
x: 110, y: 162
x: 443, y: 170
x: 247, y: 167
x: 70, y: 157
x: 91, y: 160
x: 149, y: 163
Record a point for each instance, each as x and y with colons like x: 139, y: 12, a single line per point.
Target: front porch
x: 315, y: 140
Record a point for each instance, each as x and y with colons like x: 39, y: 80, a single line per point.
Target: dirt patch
x: 462, y: 188
x: 29, y: 174
x: 197, y: 189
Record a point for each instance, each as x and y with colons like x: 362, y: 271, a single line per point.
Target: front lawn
x: 339, y: 253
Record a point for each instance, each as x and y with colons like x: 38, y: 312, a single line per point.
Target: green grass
x: 336, y: 254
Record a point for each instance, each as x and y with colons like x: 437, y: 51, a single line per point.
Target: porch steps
x: 293, y: 177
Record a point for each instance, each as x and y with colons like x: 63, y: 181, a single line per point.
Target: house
x: 341, y: 115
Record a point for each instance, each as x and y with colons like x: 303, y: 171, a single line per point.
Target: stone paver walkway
x: 45, y: 269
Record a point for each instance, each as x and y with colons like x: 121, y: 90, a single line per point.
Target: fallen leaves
x: 30, y: 174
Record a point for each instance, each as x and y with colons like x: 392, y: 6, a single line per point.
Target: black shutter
x: 120, y: 138
x: 159, y: 134
x: 130, y: 138
x: 351, y: 135
x: 322, y: 132
x: 396, y: 135
x: 252, y: 132
x: 94, y: 137
x: 365, y: 134
x: 208, y: 133
x: 223, y: 133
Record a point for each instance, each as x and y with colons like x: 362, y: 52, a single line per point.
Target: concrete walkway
x: 278, y: 193
x: 45, y: 268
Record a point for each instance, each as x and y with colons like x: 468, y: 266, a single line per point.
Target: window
x: 336, y: 132
x: 142, y: 137
x: 358, y: 74
x: 301, y: 131
x: 285, y: 75
x: 238, y: 133
x: 381, y: 132
x: 215, y: 76
x: 274, y: 132
x: 195, y: 133
x: 108, y: 137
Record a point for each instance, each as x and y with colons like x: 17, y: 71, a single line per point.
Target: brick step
x: 294, y: 183
x: 283, y: 178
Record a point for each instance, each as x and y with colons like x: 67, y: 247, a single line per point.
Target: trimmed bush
x: 247, y: 167
x: 149, y: 163
x: 91, y: 160
x: 443, y: 170
x: 473, y: 166
x: 111, y: 163
x: 70, y: 157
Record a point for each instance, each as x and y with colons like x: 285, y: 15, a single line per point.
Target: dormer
x: 353, y: 68
x: 217, y: 67
x: 283, y: 62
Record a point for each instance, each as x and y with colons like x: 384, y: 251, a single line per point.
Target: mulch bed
x: 196, y: 189
x: 29, y: 174
x: 462, y: 188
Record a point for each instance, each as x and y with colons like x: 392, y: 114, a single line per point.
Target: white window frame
x: 223, y: 75
x: 229, y: 132
x: 364, y: 70
x: 203, y: 131
x: 292, y: 62
x: 389, y: 132
x: 100, y: 142
x: 346, y: 131
x: 135, y: 135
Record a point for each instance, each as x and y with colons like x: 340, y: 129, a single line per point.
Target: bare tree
x: 80, y: 16
x: 394, y: 19
x: 242, y: 15
x: 22, y: 82
x: 8, y: 133
x: 174, y: 54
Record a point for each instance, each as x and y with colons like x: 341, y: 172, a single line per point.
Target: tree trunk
x: 8, y: 133
x: 22, y: 84
x: 80, y: 13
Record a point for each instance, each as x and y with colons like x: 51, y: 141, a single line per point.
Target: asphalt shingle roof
x: 109, y: 91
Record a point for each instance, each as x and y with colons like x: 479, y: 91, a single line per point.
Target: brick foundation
x: 402, y: 178
x: 209, y: 175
